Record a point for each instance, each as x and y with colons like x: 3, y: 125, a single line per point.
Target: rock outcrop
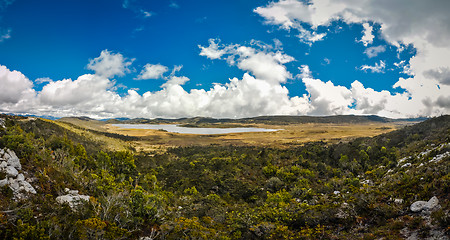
x: 10, y: 165
x: 431, y: 205
x: 72, y: 198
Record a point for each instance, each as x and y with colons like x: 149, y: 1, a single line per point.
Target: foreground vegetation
x: 356, y: 190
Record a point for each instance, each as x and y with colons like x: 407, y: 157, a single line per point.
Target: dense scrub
x: 316, y: 191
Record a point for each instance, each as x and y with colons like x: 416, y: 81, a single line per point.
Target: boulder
x: 3, y: 164
x: 21, y: 177
x: 11, y: 171
x: 14, y: 185
x: 425, y: 206
x: 27, y: 187
x: 73, y: 198
x: 3, y: 182
x: 12, y: 159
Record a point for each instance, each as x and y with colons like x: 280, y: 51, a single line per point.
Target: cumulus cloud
x: 423, y: 24
x: 377, y: 68
x: 367, y: 37
x: 152, y: 71
x: 214, y: 50
x: 85, y: 88
x: 94, y: 95
x: 443, y: 102
x: 259, y: 91
x: 110, y: 64
x: 264, y: 64
x: 289, y: 15
x: 374, y: 51
x: 14, y: 86
x: 442, y: 74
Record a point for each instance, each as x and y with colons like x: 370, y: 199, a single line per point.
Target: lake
x: 187, y: 130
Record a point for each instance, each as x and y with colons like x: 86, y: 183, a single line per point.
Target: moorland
x: 339, y: 177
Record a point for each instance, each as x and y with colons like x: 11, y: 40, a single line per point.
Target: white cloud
x: 405, y: 66
x: 442, y: 74
x: 326, y: 98
x: 424, y: 24
x: 152, y: 71
x: 138, y: 10
x: 289, y: 15
x: 146, y: 14
x: 374, y: 51
x: 43, y: 80
x: 378, y: 68
x: 86, y: 88
x: 110, y: 64
x: 260, y: 91
x: 264, y: 64
x: 309, y: 37
x: 214, y: 50
x: 94, y: 95
x: 367, y: 37
x: 5, y: 34
x: 174, y: 5
x: 14, y: 86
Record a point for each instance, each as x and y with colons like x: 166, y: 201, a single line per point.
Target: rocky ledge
x: 11, y: 168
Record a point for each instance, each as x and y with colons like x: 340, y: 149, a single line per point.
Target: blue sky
x: 328, y: 62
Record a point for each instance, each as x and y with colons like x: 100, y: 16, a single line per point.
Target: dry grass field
x: 289, y: 134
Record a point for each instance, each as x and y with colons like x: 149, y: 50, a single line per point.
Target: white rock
x: 398, y: 201
x: 73, y: 198
x: 13, y: 160
x: 439, y: 157
x: 422, y: 205
x: 3, y: 182
x: 418, y: 206
x: 3, y: 165
x: 21, y: 177
x: 14, y: 184
x: 406, y: 165
x: 11, y: 171
x: 432, y: 203
x: 73, y: 192
x: 336, y: 192
x: 27, y: 187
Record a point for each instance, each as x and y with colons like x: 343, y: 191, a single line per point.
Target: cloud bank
x: 424, y: 24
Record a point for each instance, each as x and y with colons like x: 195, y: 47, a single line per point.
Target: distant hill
x: 271, y: 120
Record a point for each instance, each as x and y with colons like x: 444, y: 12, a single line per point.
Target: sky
x: 224, y: 59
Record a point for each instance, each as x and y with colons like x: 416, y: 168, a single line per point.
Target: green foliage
x: 314, y: 191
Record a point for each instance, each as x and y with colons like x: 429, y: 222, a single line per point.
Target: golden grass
x: 158, y: 141
x: 290, y: 135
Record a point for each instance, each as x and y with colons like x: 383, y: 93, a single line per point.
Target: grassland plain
x: 291, y: 132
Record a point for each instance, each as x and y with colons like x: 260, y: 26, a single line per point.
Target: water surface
x: 187, y: 130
